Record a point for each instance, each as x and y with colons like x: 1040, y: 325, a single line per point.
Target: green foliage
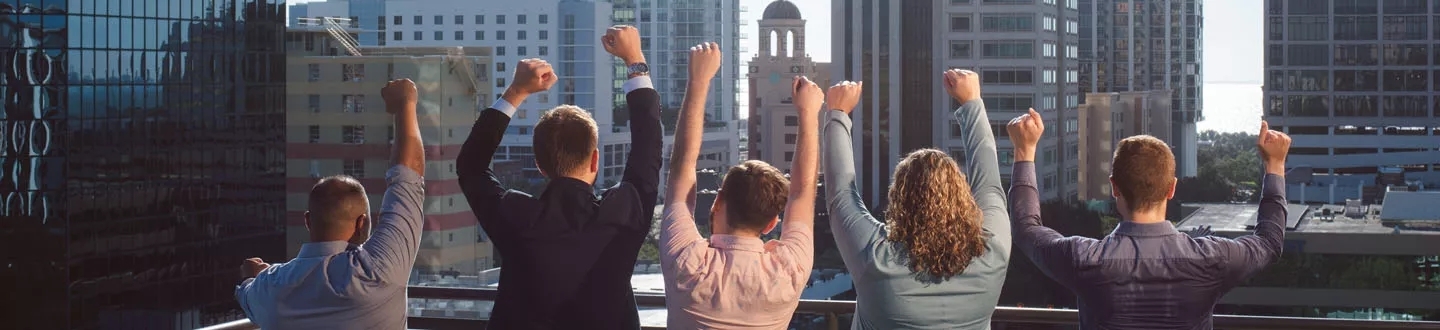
x: 1228, y: 170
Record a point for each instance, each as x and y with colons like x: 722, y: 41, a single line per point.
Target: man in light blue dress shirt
x: 344, y: 279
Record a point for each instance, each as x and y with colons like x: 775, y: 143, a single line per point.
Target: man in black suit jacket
x: 568, y: 255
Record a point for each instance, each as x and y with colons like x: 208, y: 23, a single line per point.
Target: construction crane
x: 339, y: 29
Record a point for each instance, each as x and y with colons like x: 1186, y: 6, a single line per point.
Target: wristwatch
x: 639, y: 69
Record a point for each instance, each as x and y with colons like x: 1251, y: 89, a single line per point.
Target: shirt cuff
x: 505, y: 107
x: 638, y: 83
x: 403, y: 174
x: 1274, y: 185
x: 838, y: 116
x: 1023, y: 174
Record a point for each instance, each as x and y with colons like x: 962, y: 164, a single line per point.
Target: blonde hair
x: 933, y: 215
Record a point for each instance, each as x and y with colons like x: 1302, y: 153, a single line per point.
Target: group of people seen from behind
x: 936, y: 259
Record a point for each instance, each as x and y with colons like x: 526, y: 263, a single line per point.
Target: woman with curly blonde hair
x: 939, y: 259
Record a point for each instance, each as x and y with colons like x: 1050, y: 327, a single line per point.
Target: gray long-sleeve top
x: 888, y: 294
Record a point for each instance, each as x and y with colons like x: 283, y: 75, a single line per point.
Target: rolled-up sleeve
x: 391, y: 250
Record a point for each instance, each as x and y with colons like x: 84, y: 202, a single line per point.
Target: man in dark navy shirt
x: 1145, y: 274
x: 569, y: 254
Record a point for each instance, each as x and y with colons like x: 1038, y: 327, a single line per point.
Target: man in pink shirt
x: 735, y: 280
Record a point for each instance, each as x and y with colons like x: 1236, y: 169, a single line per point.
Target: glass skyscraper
x: 141, y: 159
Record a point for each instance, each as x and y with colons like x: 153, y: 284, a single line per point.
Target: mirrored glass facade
x: 142, y: 152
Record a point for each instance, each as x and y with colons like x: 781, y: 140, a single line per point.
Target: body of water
x: 1232, y: 107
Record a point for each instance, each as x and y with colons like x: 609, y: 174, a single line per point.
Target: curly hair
x: 934, y: 216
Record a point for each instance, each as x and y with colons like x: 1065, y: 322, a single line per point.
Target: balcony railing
x: 832, y: 309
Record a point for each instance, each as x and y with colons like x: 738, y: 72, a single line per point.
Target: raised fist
x: 399, y: 94
x: 704, y: 61
x: 962, y: 85
x: 844, y: 96
x: 808, y: 98
x: 1025, y: 131
x: 1274, y: 147
x: 623, y: 41
x: 533, y: 76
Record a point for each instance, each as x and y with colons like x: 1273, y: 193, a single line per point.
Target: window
x: 1308, y: 80
x: 398, y: 36
x: 1350, y: 7
x: 1357, y: 55
x: 479, y: 19
x: 1049, y: 23
x: 1007, y: 157
x: 1404, y: 6
x: 355, y: 168
x: 1010, y: 102
x: 459, y: 35
x: 419, y: 20
x: 520, y: 35
x: 959, y: 23
x: 1307, y: 55
x: 1008, y: 77
x: 500, y: 51
x: 459, y: 19
x: 520, y: 51
x: 500, y: 82
x: 499, y: 35
x: 1007, y: 49
x: 500, y: 19
x: 314, y: 133
x: 398, y: 20
x: 960, y: 49
x: 1356, y: 80
x: 353, y: 103
x: 544, y: 51
x: 352, y: 134
x: 1004, y: 2
x: 1406, y: 27
x: 544, y: 35
x: 1309, y: 28
x: 500, y: 66
x: 1412, y: 54
x: 790, y: 138
x: 314, y: 101
x: 789, y: 156
x: 1073, y: 52
x: 479, y: 35
x: 353, y: 72
x: 1047, y: 50
x: 439, y: 20
x: 792, y: 121
x: 1049, y: 181
x: 1007, y: 22
x: 1406, y: 80
x: 1307, y: 7
x: 419, y: 36
x: 439, y: 35
x: 314, y: 69
x: 1356, y: 28
x: 520, y: 19
x: 1048, y: 76
x: 1405, y: 106
x: 544, y: 19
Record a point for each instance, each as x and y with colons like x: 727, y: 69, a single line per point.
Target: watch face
x: 640, y: 67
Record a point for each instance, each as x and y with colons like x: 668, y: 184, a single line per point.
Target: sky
x: 1232, y: 35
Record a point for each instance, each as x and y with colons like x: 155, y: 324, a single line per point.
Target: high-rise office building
x: 1024, y: 50
x: 337, y: 124
x: 782, y: 56
x: 564, y: 32
x: 1107, y: 118
x: 669, y: 29
x: 1148, y: 45
x: 142, y: 157
x: 1354, y: 84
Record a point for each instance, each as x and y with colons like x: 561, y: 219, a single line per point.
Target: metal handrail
x: 831, y: 308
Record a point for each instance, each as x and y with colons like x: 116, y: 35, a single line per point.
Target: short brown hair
x: 564, y: 140
x: 335, y: 201
x: 1143, y: 171
x: 754, y: 193
x: 934, y: 216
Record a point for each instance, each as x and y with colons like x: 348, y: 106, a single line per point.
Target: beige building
x: 336, y: 124
x: 1105, y: 119
x: 773, y: 125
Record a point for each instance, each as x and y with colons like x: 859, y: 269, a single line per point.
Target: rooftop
x: 1305, y: 219
x: 781, y: 9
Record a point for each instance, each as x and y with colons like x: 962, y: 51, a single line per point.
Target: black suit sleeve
x: 642, y: 167
x: 477, y: 181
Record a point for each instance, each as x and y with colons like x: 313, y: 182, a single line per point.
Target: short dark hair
x: 336, y: 200
x: 1143, y: 171
x: 564, y: 140
x: 754, y: 193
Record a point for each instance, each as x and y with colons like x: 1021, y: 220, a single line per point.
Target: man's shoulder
x: 623, y: 196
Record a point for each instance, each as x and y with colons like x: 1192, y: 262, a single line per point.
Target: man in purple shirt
x: 1145, y: 274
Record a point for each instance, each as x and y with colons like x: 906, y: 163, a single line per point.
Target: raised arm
x: 1051, y: 252
x: 478, y: 182
x: 797, y: 237
x: 852, y: 224
x: 980, y: 159
x: 642, y: 165
x: 1251, y: 253
x: 390, y: 252
x: 678, y: 226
